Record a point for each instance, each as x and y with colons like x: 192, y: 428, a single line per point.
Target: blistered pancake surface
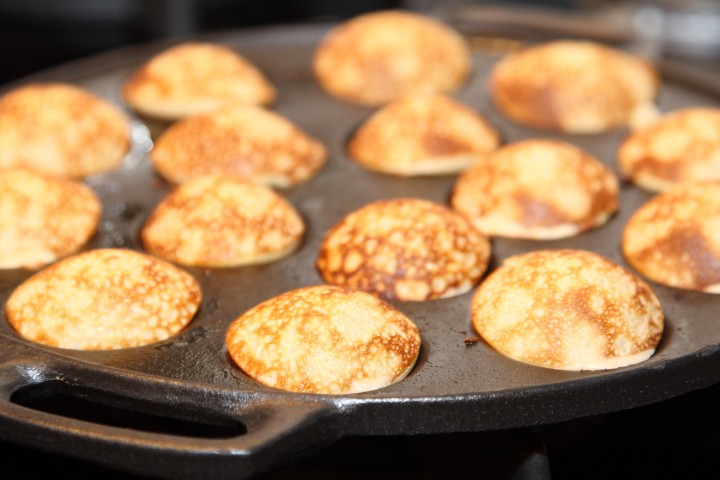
x: 324, y: 339
x: 193, y: 78
x: 222, y: 222
x: 43, y: 218
x: 404, y: 249
x: 247, y: 142
x: 683, y: 146
x: 536, y: 189
x: 674, y: 238
x: 104, y: 300
x: 378, y: 57
x: 422, y: 135
x: 568, y: 310
x: 62, y: 130
x: 575, y: 87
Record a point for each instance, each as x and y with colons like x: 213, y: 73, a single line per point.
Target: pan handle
x: 236, y: 436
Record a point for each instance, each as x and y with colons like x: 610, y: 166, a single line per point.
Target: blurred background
x: 37, y: 34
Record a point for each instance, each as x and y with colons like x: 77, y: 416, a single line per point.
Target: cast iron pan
x: 225, y: 425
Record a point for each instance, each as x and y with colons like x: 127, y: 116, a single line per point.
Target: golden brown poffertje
x: 324, y: 339
x: 404, y: 249
x: 378, y: 57
x: 683, y: 146
x: 422, y: 135
x: 43, y: 217
x: 62, y: 130
x: 246, y: 142
x: 104, y: 299
x: 674, y: 238
x: 222, y: 222
x: 575, y: 86
x: 536, y: 189
x: 568, y: 310
x: 194, y: 78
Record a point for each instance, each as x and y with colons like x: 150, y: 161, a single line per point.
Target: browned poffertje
x: 568, y: 310
x: 404, y: 249
x: 674, y: 238
x: 247, y: 142
x: 222, y: 222
x: 378, y: 57
x: 422, y: 135
x: 43, y: 217
x: 682, y: 146
x: 324, y: 339
x: 575, y: 86
x: 104, y: 299
x: 193, y: 78
x: 537, y: 189
x: 61, y: 129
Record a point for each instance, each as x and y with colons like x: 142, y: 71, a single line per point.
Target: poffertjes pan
x: 61, y: 129
x: 575, y: 87
x: 324, y: 339
x: 194, y: 78
x: 43, y: 217
x: 537, y: 189
x: 222, y: 222
x: 379, y: 57
x: 104, y: 299
x: 422, y: 135
x: 674, y: 238
x: 247, y: 142
x: 404, y: 249
x: 568, y: 310
x: 682, y: 146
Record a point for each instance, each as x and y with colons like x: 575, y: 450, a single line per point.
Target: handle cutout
x: 79, y: 403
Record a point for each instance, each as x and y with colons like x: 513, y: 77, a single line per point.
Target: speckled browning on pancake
x: 324, y: 339
x: 422, y: 135
x: 104, y: 300
x: 378, y: 57
x: 568, y: 310
x: 222, y: 222
x: 43, y: 218
x: 575, y: 87
x: 536, y: 189
x: 674, y: 238
x: 61, y: 130
x: 247, y: 142
x: 404, y: 249
x: 682, y: 146
x: 193, y: 78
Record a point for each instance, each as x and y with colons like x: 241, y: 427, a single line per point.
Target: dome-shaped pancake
x: 194, y: 78
x: 104, y: 300
x: 568, y: 310
x: 43, y: 218
x: 404, y: 249
x: 324, y: 339
x: 378, y: 57
x: 536, y: 189
x: 61, y: 130
x: 222, y: 222
x: 247, y: 142
x: 575, y: 87
x: 683, y: 146
x: 422, y: 135
x: 674, y: 238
